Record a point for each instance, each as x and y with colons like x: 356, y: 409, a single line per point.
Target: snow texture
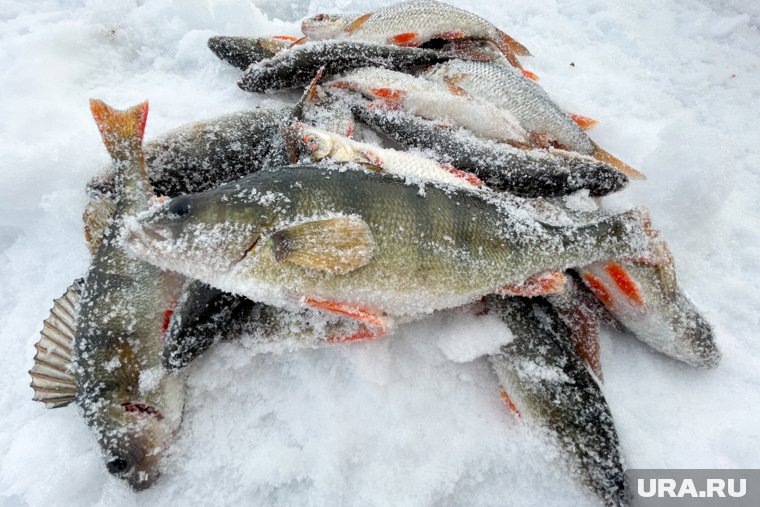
x: 412, y: 419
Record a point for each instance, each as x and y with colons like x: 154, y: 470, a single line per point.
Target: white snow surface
x: 412, y: 419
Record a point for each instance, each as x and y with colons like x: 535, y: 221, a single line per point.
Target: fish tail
x: 122, y: 131
x: 618, y: 164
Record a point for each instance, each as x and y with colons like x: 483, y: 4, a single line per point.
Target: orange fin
x: 452, y: 83
x: 405, y: 39
x: 300, y: 41
x: 122, y: 131
x: 285, y: 37
x: 597, y: 286
x: 351, y: 311
x: 514, y: 46
x: 618, y: 164
x: 584, y: 328
x: 584, y: 122
x: 625, y: 283
x: 357, y: 23
x: 529, y: 74
x: 362, y: 335
x: 387, y: 94
x: 548, y: 282
x: 468, y: 177
x: 505, y: 397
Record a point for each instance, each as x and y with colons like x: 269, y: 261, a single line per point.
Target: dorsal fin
x: 52, y: 379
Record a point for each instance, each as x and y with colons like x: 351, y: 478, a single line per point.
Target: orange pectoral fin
x: 285, y: 37
x: 529, y: 74
x: 549, y: 282
x: 405, y: 39
x: 625, y: 283
x: 584, y: 122
x: 508, y: 401
x: 357, y: 23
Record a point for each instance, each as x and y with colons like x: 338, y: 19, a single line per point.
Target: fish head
x: 317, y: 143
x: 135, y: 415
x: 203, y: 235
x: 324, y: 26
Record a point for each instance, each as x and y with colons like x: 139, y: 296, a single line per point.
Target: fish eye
x: 179, y: 207
x: 320, y: 17
x: 117, y: 466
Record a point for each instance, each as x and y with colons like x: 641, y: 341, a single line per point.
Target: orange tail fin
x: 122, y: 131
x: 605, y: 157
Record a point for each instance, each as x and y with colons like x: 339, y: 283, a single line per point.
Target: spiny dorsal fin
x: 122, y: 131
x: 52, y: 379
x: 336, y: 245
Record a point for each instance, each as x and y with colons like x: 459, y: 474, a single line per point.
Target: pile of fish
x: 421, y: 170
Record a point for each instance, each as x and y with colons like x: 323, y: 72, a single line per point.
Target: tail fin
x: 607, y: 158
x: 122, y: 131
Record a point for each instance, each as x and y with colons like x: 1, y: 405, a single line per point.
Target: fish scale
x: 432, y: 248
x: 507, y: 89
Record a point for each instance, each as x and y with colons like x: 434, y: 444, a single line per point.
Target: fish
x: 297, y: 66
x: 432, y: 101
x: 646, y: 299
x: 532, y: 173
x: 204, y: 154
x: 366, y: 245
x: 321, y: 145
x: 545, y: 121
x: 101, y: 346
x: 242, y: 52
x: 326, y: 26
x: 214, y: 316
x: 545, y: 384
x: 415, y: 22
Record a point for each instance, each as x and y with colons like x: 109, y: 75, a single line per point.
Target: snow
x: 405, y: 420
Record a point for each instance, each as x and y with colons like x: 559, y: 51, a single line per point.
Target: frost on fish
x: 242, y: 52
x: 433, y: 101
x: 210, y: 315
x: 126, y: 397
x: 405, y: 253
x: 528, y: 173
x: 415, y: 22
x: 298, y: 65
x: 524, y: 98
x: 646, y: 299
x: 204, y: 154
x: 320, y: 145
x: 548, y: 386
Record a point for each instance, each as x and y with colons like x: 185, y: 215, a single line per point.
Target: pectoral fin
x: 335, y: 245
x: 52, y: 379
x: 357, y: 23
